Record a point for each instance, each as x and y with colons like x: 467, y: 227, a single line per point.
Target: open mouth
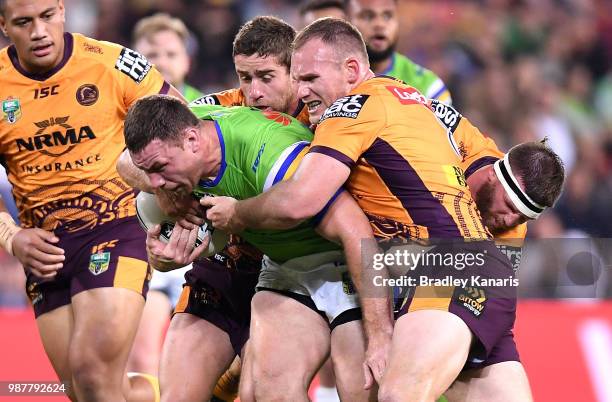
x: 378, y: 41
x: 42, y: 50
x: 313, y: 106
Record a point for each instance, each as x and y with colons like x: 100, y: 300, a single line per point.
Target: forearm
x: 133, y: 176
x: 292, y: 201
x: 8, y: 229
x: 375, y: 300
x: 345, y: 222
x: 278, y: 208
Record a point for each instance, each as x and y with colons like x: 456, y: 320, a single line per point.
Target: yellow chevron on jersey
x: 400, y: 158
x: 235, y: 97
x: 62, y: 149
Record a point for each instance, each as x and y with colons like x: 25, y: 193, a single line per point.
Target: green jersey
x: 190, y: 93
x: 259, y: 149
x: 426, y: 81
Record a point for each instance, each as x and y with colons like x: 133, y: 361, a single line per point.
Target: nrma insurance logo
x: 55, y: 137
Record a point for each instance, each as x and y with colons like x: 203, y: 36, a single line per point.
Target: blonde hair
x: 159, y: 22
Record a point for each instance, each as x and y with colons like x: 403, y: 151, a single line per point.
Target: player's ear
x: 491, y: 175
x: 352, y: 69
x: 62, y: 10
x: 3, y: 25
x: 192, y: 139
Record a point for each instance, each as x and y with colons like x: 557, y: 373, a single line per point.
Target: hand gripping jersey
x: 426, y: 81
x: 477, y: 151
x: 61, y: 132
x: 258, y: 150
x: 235, y: 97
x: 405, y: 171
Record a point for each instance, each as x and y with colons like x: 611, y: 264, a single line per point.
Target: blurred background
x: 519, y: 70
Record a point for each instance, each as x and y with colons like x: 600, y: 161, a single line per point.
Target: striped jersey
x: 405, y: 167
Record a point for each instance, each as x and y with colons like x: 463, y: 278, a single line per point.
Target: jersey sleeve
x: 438, y: 90
x: 230, y: 97
x: 283, y: 167
x: 478, y: 149
x: 138, y: 77
x: 349, y: 127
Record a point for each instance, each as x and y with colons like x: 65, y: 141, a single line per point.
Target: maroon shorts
x: 489, y: 311
x: 219, y: 290
x: 504, y: 351
x: 109, y: 255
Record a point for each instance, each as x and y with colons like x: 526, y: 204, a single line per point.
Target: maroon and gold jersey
x: 61, y: 132
x: 405, y: 169
x: 477, y: 151
x: 235, y: 97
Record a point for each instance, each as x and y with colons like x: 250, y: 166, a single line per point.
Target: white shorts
x: 322, y: 277
x: 170, y: 283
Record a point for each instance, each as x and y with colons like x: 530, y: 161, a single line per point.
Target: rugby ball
x: 149, y: 214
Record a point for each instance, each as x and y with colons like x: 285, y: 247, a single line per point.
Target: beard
x: 378, y: 56
x: 484, y: 201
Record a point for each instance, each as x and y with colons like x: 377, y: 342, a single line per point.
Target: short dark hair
x: 541, y: 170
x: 335, y: 32
x: 316, y: 5
x: 266, y: 36
x: 153, y: 117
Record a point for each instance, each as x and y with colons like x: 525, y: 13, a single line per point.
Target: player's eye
x: 21, y: 23
x: 47, y: 16
x: 245, y: 78
x: 387, y: 16
x: 367, y: 16
x: 267, y: 78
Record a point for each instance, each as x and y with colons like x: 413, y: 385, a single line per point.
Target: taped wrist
x: 8, y: 230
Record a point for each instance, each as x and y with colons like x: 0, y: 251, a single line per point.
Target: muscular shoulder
x: 95, y: 51
x: 111, y: 56
x: 374, y: 104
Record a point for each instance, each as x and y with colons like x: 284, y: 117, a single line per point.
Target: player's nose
x: 157, y: 181
x: 39, y: 30
x: 302, y: 91
x: 255, y: 91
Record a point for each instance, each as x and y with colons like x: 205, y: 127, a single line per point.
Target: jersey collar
x: 68, y: 46
x: 213, y: 183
